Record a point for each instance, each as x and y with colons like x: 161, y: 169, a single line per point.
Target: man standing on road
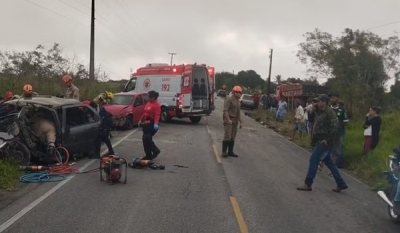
x: 72, y: 91
x: 326, y: 126
x: 341, y: 114
x: 231, y: 118
x: 105, y: 128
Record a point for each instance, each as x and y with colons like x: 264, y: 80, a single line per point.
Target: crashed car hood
x: 117, y: 109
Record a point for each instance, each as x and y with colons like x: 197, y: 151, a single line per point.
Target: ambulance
x: 184, y: 90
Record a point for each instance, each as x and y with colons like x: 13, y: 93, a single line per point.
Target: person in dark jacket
x: 149, y: 123
x: 325, y: 129
x: 372, y: 127
x: 105, y: 128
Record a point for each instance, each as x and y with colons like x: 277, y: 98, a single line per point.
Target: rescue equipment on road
x: 141, y: 163
x: 112, y: 166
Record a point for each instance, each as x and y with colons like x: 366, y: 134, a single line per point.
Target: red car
x: 127, y: 108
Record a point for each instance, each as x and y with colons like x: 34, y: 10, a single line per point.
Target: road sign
x: 223, y: 86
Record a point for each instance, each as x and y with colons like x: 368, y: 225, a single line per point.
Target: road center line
x: 216, y: 153
x: 239, y: 216
x: 36, y: 202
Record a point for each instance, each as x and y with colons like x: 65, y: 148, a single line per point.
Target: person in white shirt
x: 309, y: 119
x: 299, y: 119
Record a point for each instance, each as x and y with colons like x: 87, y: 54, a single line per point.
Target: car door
x: 138, y: 107
x: 80, y: 128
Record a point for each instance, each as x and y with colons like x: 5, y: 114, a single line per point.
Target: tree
x: 278, y: 79
x: 356, y: 64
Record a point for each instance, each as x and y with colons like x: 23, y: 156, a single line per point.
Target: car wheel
x: 165, y: 117
x: 128, y: 124
x: 195, y: 119
x: 21, y: 154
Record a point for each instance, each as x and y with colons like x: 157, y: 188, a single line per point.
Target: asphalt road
x: 253, y: 193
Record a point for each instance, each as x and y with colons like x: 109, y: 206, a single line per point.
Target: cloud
x: 230, y: 35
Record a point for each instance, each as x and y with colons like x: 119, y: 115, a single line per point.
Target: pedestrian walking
x: 149, y: 123
x: 231, y: 119
x: 325, y: 129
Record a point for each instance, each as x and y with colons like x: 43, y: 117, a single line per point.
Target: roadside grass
x: 53, y: 86
x: 369, y: 172
x: 88, y: 90
x: 9, y: 174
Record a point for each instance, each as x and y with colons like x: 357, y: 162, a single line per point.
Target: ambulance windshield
x: 130, y: 86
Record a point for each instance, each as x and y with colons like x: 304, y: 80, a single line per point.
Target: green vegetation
x: 44, y: 70
x: 9, y: 174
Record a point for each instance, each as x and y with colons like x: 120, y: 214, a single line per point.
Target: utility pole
x: 172, y: 56
x: 91, y: 68
x: 269, y: 76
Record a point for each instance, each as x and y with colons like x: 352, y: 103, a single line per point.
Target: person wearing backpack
x: 105, y: 128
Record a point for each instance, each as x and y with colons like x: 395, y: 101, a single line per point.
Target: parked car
x: 77, y: 126
x: 127, y: 108
x: 246, y: 101
x: 221, y: 93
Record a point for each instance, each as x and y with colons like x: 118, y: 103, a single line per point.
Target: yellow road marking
x: 216, y: 154
x: 239, y: 216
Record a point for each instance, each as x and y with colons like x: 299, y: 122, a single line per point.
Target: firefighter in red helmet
x: 8, y: 96
x: 72, y: 91
x: 231, y: 118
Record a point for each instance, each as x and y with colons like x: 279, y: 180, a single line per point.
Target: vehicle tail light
x: 174, y: 69
x: 179, y: 100
x: 211, y: 72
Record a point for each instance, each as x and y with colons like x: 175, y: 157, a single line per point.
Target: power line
x: 383, y: 25
x: 38, y: 5
x: 74, y: 7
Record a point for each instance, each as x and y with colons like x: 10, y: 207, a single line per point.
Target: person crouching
x: 149, y: 123
x: 105, y: 128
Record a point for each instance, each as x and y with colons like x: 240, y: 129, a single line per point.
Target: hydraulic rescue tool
x: 141, y: 163
x: 112, y: 166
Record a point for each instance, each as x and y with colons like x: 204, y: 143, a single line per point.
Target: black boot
x: 230, y: 149
x: 224, y: 148
x: 156, y: 152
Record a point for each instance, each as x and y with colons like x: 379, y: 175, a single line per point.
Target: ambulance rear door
x: 185, y: 94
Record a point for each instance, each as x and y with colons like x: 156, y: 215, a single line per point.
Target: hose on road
x: 57, y: 173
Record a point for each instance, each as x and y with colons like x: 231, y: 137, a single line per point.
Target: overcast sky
x: 230, y: 35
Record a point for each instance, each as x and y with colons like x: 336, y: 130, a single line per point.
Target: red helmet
x: 9, y: 95
x: 66, y: 78
x: 27, y: 88
x: 237, y: 89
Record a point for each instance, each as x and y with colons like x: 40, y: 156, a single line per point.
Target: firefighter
x: 149, y: 122
x: 8, y: 96
x: 231, y: 118
x: 27, y: 91
x: 105, y: 128
x: 72, y: 90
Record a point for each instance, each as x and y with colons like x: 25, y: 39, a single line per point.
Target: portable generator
x: 113, y: 167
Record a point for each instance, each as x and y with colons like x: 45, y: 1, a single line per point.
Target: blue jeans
x: 338, y: 149
x: 322, y: 153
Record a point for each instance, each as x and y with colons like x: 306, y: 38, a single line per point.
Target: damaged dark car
x: 47, y: 130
